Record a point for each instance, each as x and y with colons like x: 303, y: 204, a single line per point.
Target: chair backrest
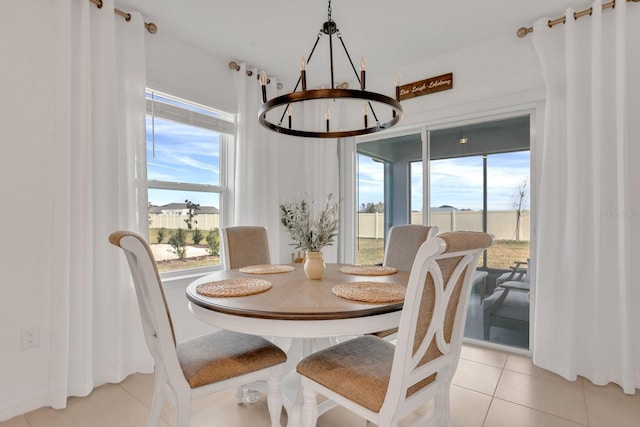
x: 154, y: 311
x: 434, y: 314
x: 244, y: 245
x: 403, y: 243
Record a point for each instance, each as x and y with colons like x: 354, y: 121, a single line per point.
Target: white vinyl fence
x: 502, y: 224
x: 170, y: 221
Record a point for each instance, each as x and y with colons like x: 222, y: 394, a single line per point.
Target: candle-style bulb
x: 363, y: 64
x: 303, y: 73
x: 289, y: 115
x: 397, y: 91
x: 263, y: 85
x: 327, y: 116
x: 398, y: 79
x: 366, y: 119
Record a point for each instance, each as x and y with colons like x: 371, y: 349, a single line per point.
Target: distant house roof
x: 208, y: 210
x: 444, y: 208
x: 182, y: 207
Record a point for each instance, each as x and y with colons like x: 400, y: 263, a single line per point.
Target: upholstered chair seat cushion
x: 225, y: 354
x: 515, y: 305
x: 357, y: 369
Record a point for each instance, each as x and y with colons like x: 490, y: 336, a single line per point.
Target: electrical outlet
x: 30, y: 337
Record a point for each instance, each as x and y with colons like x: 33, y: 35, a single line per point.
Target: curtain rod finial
x: 151, y: 27
x: 523, y: 31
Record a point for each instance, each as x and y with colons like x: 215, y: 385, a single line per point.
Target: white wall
x: 498, y: 73
x: 493, y: 75
x: 28, y: 163
x: 188, y: 73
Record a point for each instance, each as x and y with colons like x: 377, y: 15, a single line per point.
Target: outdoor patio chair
x: 518, y: 273
x: 508, y: 306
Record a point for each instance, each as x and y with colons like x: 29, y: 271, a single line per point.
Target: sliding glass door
x: 473, y: 177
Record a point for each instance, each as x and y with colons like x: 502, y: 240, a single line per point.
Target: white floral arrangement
x: 308, y: 232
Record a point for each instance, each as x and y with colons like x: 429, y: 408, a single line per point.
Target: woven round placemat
x: 267, y: 269
x: 368, y: 270
x: 370, y: 291
x: 233, y: 287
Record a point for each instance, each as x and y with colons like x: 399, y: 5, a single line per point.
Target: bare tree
x: 519, y: 204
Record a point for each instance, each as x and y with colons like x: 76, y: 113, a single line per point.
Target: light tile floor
x: 490, y: 389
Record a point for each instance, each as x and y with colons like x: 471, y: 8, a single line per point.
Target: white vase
x: 313, y: 265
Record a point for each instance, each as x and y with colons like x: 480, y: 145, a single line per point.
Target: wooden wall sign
x: 427, y: 86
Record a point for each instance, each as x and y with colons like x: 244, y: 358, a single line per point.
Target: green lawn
x: 370, y: 251
x: 500, y: 256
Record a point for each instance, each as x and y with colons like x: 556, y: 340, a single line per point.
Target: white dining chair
x: 403, y: 242
x: 244, y: 245
x: 202, y: 365
x: 384, y: 383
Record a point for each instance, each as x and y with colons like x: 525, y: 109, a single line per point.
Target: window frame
x: 225, y: 126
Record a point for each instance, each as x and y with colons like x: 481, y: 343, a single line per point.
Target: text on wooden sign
x: 427, y: 86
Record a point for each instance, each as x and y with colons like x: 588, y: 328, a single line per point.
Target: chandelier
x: 287, y: 105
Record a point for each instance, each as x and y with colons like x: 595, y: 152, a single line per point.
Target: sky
x: 455, y: 182
x: 196, y: 159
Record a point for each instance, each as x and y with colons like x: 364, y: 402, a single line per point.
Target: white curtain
x: 96, y: 330
x: 255, y: 184
x: 588, y: 282
x: 271, y: 167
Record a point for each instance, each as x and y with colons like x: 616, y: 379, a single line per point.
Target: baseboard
x: 19, y: 408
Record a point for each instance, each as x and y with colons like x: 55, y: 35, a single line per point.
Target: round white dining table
x: 299, y: 308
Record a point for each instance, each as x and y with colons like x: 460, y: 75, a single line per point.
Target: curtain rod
x: 523, y: 31
x: 233, y: 65
x: 150, y: 26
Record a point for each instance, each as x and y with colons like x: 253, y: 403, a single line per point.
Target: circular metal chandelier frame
x: 330, y: 28
x: 314, y: 94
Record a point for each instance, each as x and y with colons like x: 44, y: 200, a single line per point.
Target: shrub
x: 197, y: 236
x: 213, y: 242
x: 178, y: 242
x: 160, y: 235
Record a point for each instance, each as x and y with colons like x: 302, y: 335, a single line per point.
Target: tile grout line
x: 493, y: 395
x: 539, y: 410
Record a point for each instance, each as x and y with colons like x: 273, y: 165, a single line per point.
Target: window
x: 185, y: 172
x: 415, y: 191
x: 370, y: 219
